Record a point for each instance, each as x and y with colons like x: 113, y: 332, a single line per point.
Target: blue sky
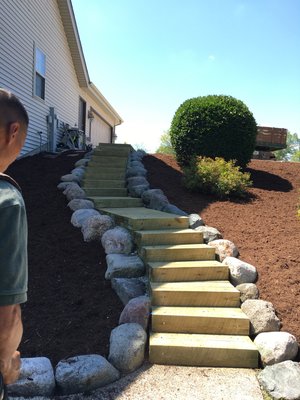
x: 148, y: 57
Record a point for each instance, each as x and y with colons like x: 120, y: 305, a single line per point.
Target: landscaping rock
x: 79, y: 171
x: 88, y: 155
x: 224, y: 248
x: 248, y: 291
x: 136, y: 171
x: 84, y: 373
x: 128, y: 288
x: 123, y: 266
x: 137, y: 191
x: 79, y: 216
x: 137, y: 310
x: 281, y: 381
x: 70, y: 178
x: 209, y: 233
x: 136, y: 181
x: 117, y: 241
x: 74, y: 192
x: 94, y: 227
x: 148, y: 194
x: 195, y: 221
x: 78, y: 204
x: 83, y: 162
x: 136, y: 164
x: 127, y: 347
x: 63, y: 185
x: 36, y: 378
x: 262, y: 316
x: 158, y: 202
x: 240, y: 271
x: 172, y: 209
x: 275, y: 347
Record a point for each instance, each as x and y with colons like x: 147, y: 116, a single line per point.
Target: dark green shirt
x: 13, y: 246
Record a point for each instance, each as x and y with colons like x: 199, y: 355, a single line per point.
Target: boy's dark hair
x: 11, y: 109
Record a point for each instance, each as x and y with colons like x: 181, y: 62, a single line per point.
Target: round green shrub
x: 213, y: 126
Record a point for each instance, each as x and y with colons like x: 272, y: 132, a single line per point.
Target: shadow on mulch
x: 267, y: 181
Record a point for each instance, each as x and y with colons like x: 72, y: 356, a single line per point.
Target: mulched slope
x: 265, y: 227
x: 71, y: 308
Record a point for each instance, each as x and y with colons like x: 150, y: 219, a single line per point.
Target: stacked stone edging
x: 126, y: 271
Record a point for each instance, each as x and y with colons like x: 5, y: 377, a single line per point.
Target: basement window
x: 39, y: 73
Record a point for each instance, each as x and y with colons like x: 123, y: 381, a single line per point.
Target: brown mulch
x: 72, y: 309
x: 265, y: 228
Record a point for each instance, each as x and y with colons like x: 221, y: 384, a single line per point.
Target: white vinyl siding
x: 37, y: 23
x: 100, y: 131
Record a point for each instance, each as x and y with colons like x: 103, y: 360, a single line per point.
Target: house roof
x: 69, y: 23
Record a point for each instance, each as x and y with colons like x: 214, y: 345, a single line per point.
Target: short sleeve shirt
x: 13, y: 246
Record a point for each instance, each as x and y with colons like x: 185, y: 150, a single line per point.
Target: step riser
x: 108, y: 161
x: 102, y: 175
x: 91, y: 184
x: 106, y: 192
x: 195, y: 299
x: 188, y: 274
x: 171, y: 238
x: 203, y: 325
x: 110, y: 153
x: 203, y: 357
x: 173, y: 254
x: 116, y: 203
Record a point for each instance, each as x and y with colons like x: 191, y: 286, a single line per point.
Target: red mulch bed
x: 72, y: 309
x: 265, y: 228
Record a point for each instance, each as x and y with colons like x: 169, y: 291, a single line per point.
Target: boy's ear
x: 13, y: 130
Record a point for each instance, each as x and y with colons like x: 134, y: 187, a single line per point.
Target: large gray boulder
x: 172, y: 209
x: 136, y: 171
x: 248, y: 291
x: 148, y: 194
x: 127, y: 347
x: 77, y: 204
x: 78, y: 172
x: 262, y: 316
x: 36, y: 378
x: 224, y: 248
x: 209, y: 233
x: 79, y: 216
x: 275, y: 347
x: 195, y: 221
x: 84, y: 373
x: 117, y: 241
x: 137, y: 310
x: 94, y: 227
x: 124, y: 266
x: 137, y: 191
x: 136, y: 181
x: 74, y: 192
x: 128, y: 288
x: 240, y: 271
x: 83, y: 162
x: 70, y: 178
x: 63, y: 185
x: 281, y: 381
x: 136, y: 164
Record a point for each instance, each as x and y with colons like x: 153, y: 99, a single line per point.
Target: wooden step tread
x: 178, y: 252
x: 183, y: 271
x: 195, y: 312
x: 203, y: 350
x: 179, y: 247
x: 168, y: 236
x: 194, y: 286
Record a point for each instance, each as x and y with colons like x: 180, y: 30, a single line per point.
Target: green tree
x: 292, y: 150
x: 165, y: 146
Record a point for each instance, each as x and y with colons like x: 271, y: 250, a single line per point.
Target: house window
x: 40, y: 73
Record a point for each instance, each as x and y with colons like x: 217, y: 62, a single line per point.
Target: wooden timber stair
x: 104, y: 179
x: 196, y: 315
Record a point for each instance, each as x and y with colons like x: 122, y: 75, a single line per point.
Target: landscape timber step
x: 109, y: 161
x: 104, y: 174
x: 105, y: 192
x: 182, y: 271
x: 195, y: 294
x: 203, y: 350
x: 103, y: 183
x: 106, y: 168
x: 167, y: 236
x: 109, y: 151
x: 204, y: 320
x: 178, y: 252
x: 145, y: 218
x: 102, y: 203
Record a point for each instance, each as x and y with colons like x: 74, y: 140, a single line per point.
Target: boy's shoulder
x: 10, y: 192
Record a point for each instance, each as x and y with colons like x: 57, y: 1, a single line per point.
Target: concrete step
x: 204, y: 320
x: 195, y: 294
x: 181, y: 271
x: 178, y: 252
x: 105, y: 192
x: 145, y: 218
x: 103, y: 183
x: 168, y: 236
x: 203, y: 350
x: 103, y: 203
x: 104, y: 174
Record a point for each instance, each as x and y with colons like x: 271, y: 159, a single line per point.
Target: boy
x: 13, y: 237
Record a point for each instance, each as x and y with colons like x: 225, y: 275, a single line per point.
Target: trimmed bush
x: 213, y: 126
x: 218, y: 177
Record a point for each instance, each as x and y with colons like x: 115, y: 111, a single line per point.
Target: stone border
x: 126, y: 271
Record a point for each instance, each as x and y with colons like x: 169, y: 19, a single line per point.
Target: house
x: 42, y: 62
